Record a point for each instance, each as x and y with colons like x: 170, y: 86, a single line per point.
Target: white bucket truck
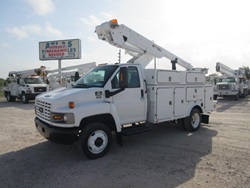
x: 231, y: 84
x: 25, y: 84
x: 124, y: 98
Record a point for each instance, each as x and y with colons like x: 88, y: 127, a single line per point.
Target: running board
x: 135, y: 129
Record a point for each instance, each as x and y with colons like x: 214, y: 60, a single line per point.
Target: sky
x: 202, y: 32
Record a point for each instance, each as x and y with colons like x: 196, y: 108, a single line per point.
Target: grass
x: 1, y: 92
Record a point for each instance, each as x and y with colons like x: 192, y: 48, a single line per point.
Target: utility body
x: 124, y: 98
x: 232, y: 83
x: 25, y: 84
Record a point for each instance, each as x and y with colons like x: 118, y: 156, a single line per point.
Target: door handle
x: 142, y: 93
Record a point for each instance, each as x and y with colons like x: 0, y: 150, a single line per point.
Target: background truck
x: 67, y: 76
x: 231, y: 84
x: 124, y: 98
x: 25, y: 84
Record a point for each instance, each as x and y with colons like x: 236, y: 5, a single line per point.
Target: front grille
x: 223, y: 87
x: 40, y: 89
x: 43, y: 109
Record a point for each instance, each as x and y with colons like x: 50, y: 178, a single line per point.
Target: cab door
x: 131, y: 103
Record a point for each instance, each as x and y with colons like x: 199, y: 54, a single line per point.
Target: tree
x: 247, y: 72
x: 2, y: 81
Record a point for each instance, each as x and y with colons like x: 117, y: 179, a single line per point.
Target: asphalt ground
x: 217, y: 155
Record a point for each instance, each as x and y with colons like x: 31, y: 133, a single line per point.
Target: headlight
x: 28, y: 91
x: 234, y: 87
x: 68, y: 118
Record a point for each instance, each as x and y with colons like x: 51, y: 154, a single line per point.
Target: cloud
x: 91, y: 21
x: 4, y: 45
x: 42, y: 7
x: 34, y: 29
x: 53, y: 32
x: 17, y: 32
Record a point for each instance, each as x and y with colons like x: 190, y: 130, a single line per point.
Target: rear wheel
x: 24, y: 99
x: 193, y: 122
x: 10, y: 98
x: 95, y: 140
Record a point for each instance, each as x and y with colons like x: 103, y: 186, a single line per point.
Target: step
x: 135, y: 129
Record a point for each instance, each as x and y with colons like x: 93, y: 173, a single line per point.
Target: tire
x: 193, y: 122
x: 24, y: 99
x: 236, y: 97
x: 215, y: 97
x: 10, y: 98
x: 95, y: 140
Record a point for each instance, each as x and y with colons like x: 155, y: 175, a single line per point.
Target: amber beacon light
x: 71, y: 105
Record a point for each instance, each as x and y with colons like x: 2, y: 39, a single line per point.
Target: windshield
x: 229, y: 79
x: 33, y: 81
x: 97, y: 77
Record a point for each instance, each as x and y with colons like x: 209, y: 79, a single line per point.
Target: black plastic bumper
x: 56, y: 134
x: 31, y: 96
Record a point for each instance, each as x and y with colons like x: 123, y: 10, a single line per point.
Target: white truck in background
x: 248, y: 84
x: 124, y: 98
x: 25, y: 84
x: 231, y: 84
x: 67, y: 76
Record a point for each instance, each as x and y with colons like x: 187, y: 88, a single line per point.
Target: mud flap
x: 204, y: 118
x: 119, y: 138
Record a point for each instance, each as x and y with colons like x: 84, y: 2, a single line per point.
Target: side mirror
x: 123, y: 77
x: 77, y: 76
x: 18, y: 81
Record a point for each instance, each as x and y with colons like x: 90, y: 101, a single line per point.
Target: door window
x: 133, y: 78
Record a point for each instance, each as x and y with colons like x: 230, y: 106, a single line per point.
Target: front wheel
x: 236, y: 97
x: 193, y: 122
x: 95, y: 140
x: 215, y: 97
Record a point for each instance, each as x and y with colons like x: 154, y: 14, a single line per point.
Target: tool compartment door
x: 195, y: 93
x: 179, y: 102
x: 164, y: 103
x: 209, y: 104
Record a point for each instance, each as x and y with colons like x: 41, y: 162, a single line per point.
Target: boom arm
x: 85, y: 66
x: 137, y: 45
x: 225, y: 70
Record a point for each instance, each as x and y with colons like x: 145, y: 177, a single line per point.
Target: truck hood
x: 60, y: 97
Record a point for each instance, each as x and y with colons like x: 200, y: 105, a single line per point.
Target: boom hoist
x: 140, y: 48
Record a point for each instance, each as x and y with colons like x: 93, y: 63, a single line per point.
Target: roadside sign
x: 60, y: 49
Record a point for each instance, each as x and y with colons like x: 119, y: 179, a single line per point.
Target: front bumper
x: 56, y: 134
x: 31, y: 96
x: 231, y: 92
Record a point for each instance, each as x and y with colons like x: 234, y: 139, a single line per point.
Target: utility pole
x: 119, y: 56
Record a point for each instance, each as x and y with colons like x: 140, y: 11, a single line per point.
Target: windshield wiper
x: 80, y: 86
